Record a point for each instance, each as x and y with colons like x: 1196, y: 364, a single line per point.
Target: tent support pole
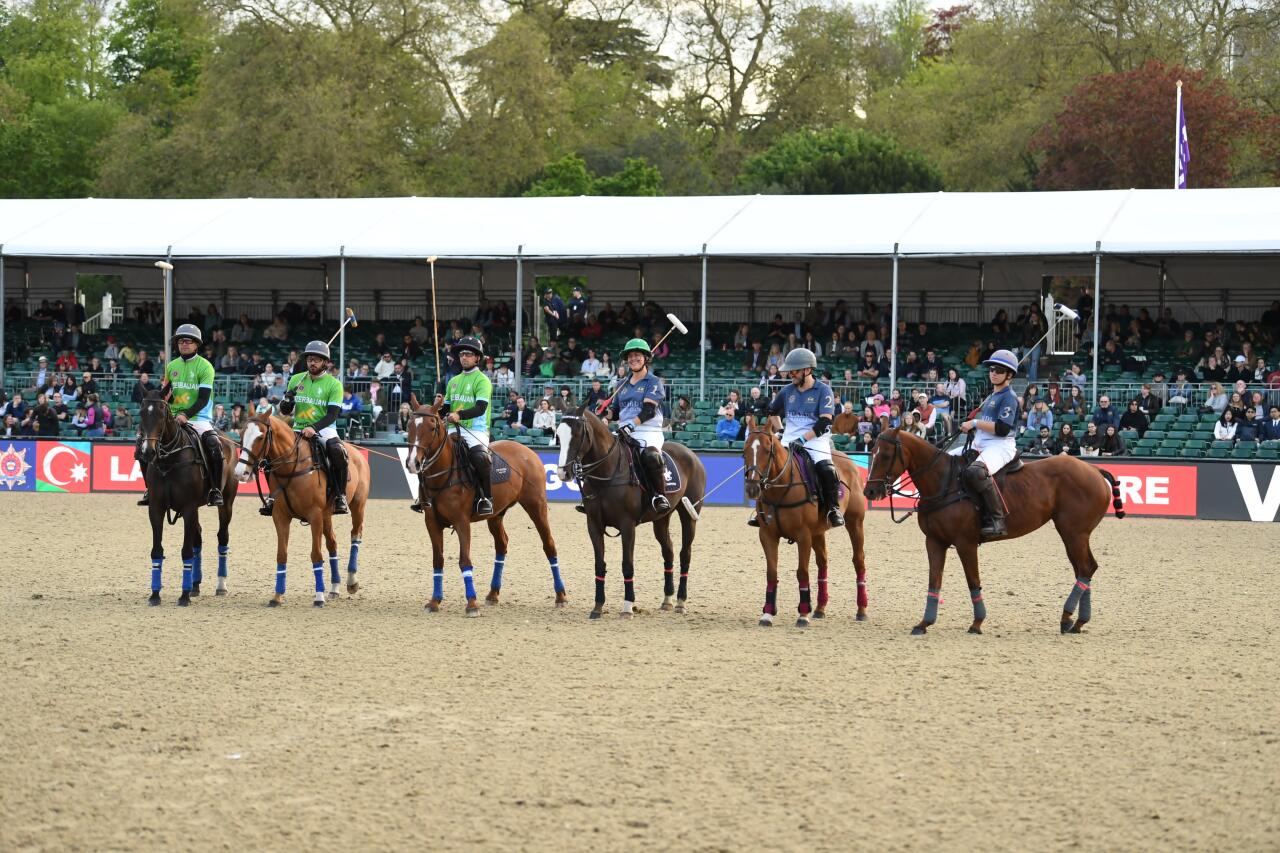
x: 1164, y: 277
x: 808, y: 285
x: 893, y: 328
x: 2, y: 319
x: 517, y: 369
x: 982, y: 291
x: 342, y: 310
x: 640, y: 283
x: 702, y: 339
x: 1097, y: 315
x: 168, y: 308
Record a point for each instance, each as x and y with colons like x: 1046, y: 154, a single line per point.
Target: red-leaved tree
x: 1117, y: 131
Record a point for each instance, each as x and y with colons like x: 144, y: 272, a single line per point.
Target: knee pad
x: 976, y: 473
x: 336, y: 451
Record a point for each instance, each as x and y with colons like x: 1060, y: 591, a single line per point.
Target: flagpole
x: 1177, y: 138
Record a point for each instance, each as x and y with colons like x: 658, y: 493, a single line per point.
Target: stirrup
x: 267, y: 509
x: 340, y: 505
x: 215, y: 497
x: 754, y: 520
x: 416, y: 506
x: 581, y: 508
x: 994, y: 528
x: 834, y: 518
x: 145, y: 500
x: 484, y: 506
x: 660, y: 503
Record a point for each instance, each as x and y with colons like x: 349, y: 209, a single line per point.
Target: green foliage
x: 147, y: 35
x: 569, y: 176
x: 838, y: 161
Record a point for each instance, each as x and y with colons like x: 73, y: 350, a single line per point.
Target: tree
x: 1116, y: 131
x: 569, y: 176
x: 838, y: 161
x: 174, y: 35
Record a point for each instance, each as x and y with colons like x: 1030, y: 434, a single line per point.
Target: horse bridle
x: 764, y: 482
x: 582, y: 470
x: 891, y: 489
x: 425, y: 466
x: 173, y: 448
x: 256, y: 460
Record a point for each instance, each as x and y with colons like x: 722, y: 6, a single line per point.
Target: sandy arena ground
x: 370, y: 725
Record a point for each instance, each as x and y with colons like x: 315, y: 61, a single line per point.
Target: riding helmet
x: 319, y: 348
x: 637, y: 345
x: 1003, y: 358
x: 798, y: 359
x: 188, y: 330
x: 468, y: 343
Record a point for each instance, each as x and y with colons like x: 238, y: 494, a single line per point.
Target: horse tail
x: 1116, y: 502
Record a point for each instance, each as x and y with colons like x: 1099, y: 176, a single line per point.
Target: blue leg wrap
x: 196, y: 574
x: 333, y: 569
x: 467, y: 583
x: 223, y: 551
x: 355, y: 553
x: 437, y: 584
x: 979, y: 606
x: 280, y: 568
x: 1080, y: 588
x: 156, y: 567
x: 499, y: 562
x: 931, y: 605
x: 1086, y: 603
x: 318, y: 570
x: 555, y: 574
x: 186, y: 575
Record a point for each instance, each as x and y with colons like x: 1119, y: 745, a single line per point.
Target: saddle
x: 809, y: 476
x: 671, y: 472
x: 499, y: 467
x: 1015, y: 465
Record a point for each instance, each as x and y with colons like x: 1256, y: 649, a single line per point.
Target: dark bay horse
x: 176, y: 480
x: 601, y: 464
x: 784, y: 510
x: 296, y: 481
x: 442, y: 482
x: 1071, y: 493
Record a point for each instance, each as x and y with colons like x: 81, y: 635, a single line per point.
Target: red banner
x: 114, y: 469
x: 62, y: 466
x: 1156, y: 489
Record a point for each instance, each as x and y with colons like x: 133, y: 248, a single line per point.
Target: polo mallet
x: 435, y: 324
x: 168, y: 271
x: 1062, y: 312
x: 675, y: 324
x: 351, y: 318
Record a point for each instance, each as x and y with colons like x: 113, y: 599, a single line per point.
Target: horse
x: 601, y: 464
x: 450, y: 498
x: 176, y: 480
x: 293, y: 477
x: 773, y: 480
x: 1071, y: 493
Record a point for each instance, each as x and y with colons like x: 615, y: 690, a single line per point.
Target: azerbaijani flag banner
x: 62, y: 466
x: 1182, y: 148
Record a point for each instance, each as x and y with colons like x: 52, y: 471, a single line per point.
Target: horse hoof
x: 432, y: 606
x: 681, y: 608
x: 667, y: 606
x: 918, y: 630
x: 473, y: 611
x: 317, y: 603
x: 861, y: 617
x: 153, y: 600
x: 561, y: 603
x: 491, y: 599
x: 626, y: 615
x: 195, y: 590
x: 334, y: 594
x: 219, y: 592
x: 595, y: 614
x: 273, y: 603
x: 802, y: 622
x: 184, y: 601
x: 818, y: 614
x: 353, y: 588
x: 974, y: 629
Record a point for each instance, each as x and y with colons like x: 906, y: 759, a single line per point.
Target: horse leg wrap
x: 334, y: 575
x: 629, y: 589
x: 499, y: 562
x: 555, y: 574
x: 223, y: 551
x: 186, y: 575
x: 437, y: 584
x: 931, y: 601
x: 862, y: 593
x: 1086, y: 604
x: 979, y: 606
x: 771, y: 599
x: 668, y: 581
x: 805, y: 605
x: 317, y: 569
x: 197, y: 576
x: 823, y: 595
x: 600, y: 588
x: 280, y: 570
x: 683, y: 592
x: 1080, y: 588
x: 468, y: 583
x: 355, y: 555
x: 157, y: 567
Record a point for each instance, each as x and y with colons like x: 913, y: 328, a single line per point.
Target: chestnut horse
x: 176, y: 481
x: 296, y: 482
x: 450, y: 501
x: 773, y: 481
x: 599, y: 462
x: 1071, y: 493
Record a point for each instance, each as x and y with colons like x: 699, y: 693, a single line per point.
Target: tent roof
x: 1163, y: 222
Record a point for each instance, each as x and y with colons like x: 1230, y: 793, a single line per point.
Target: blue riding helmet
x: 1003, y: 358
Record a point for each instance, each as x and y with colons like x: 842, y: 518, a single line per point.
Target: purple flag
x: 1182, y: 148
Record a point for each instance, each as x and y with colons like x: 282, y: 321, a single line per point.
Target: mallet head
x: 351, y: 315
x: 164, y: 265
x: 675, y: 321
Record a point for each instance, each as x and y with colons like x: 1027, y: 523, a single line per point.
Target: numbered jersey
x: 1000, y: 407
x: 313, y: 397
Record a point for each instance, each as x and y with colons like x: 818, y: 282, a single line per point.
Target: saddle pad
x: 672, y: 472
x: 499, y: 470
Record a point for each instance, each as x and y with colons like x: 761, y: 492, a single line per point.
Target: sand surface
x: 370, y: 725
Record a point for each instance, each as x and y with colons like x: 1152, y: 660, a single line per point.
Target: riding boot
x: 213, y: 450
x: 655, y: 470
x: 145, y: 500
x: 338, y: 475
x: 754, y: 520
x: 830, y: 484
x: 978, y: 478
x: 481, y: 465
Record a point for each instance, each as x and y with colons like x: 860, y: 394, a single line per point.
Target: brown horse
x: 600, y: 464
x: 176, y: 481
x: 450, y: 499
x: 1063, y: 489
x: 773, y: 481
x: 298, y: 484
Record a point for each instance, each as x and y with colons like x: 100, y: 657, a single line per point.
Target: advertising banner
x: 114, y: 469
x: 63, y: 466
x: 17, y: 461
x: 1241, y: 490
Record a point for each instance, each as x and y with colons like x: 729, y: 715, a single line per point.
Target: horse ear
x: 751, y: 422
x: 413, y: 401
x: 582, y: 408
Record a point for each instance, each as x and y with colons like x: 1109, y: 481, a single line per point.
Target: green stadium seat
x: 1166, y: 451
x: 719, y: 444
x: 1267, y: 453
x: 1209, y: 418
x: 1143, y: 450
x: 1196, y: 444
x: 1218, y: 453
x: 1244, y: 450
x: 1129, y: 435
x: 1190, y: 453
x: 1178, y: 435
x: 1222, y: 445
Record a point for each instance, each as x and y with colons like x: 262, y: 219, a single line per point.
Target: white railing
x: 92, y: 325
